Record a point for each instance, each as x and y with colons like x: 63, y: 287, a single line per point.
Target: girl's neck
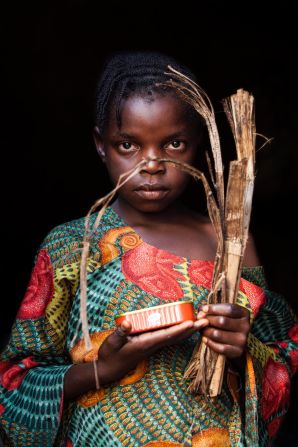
x: 134, y: 217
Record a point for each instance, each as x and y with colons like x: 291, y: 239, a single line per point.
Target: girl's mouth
x: 152, y: 191
x: 152, y: 194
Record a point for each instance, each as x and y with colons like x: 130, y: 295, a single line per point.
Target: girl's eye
x: 127, y: 146
x: 176, y: 144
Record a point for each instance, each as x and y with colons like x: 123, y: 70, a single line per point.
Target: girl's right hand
x: 121, y: 352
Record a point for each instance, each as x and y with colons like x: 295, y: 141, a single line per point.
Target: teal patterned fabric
x: 151, y: 405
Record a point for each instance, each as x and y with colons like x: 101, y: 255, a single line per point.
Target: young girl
x: 149, y: 249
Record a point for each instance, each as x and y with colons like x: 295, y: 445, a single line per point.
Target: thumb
x: 119, y: 337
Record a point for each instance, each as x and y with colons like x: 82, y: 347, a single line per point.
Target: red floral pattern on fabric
x: 292, y: 353
x: 293, y: 333
x: 293, y: 360
x: 12, y: 375
x: 2, y: 409
x: 40, y: 290
x: 276, y: 388
x: 274, y: 426
x: 69, y: 443
x: 4, y: 365
x: 255, y: 294
x: 200, y: 273
x: 152, y: 270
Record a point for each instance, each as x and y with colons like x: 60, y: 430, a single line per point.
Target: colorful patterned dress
x: 150, y: 406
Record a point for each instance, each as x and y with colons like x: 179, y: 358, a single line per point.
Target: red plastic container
x: 158, y: 317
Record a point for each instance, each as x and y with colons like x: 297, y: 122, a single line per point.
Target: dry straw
x: 229, y: 214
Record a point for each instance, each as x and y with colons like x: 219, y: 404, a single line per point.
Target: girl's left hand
x: 228, y: 328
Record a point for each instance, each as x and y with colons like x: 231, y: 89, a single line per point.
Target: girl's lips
x: 152, y: 195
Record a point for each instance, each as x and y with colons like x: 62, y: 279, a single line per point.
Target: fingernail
x: 201, y: 323
x: 120, y: 331
x: 205, y: 308
x: 204, y: 340
x: 201, y: 314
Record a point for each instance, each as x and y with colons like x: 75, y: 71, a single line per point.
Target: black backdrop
x: 51, y: 56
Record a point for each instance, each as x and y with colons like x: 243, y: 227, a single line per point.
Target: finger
x: 229, y: 324
x: 226, y: 309
x: 177, y: 338
x: 171, y: 331
x: 161, y: 337
x: 224, y: 337
x: 229, y: 351
x: 198, y: 326
x: 147, y: 343
x: 119, y: 337
x: 124, y: 328
x: 201, y: 315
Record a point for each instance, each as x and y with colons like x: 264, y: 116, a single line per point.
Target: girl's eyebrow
x: 178, y: 134
x: 124, y: 135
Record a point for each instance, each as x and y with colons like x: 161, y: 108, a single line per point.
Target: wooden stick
x: 206, y: 368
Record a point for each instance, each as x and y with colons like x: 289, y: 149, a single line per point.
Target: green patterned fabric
x: 151, y: 405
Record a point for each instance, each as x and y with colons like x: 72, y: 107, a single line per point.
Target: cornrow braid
x: 129, y: 73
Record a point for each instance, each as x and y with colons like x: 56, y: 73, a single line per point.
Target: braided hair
x: 129, y: 73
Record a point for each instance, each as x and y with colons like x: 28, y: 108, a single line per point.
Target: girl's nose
x: 153, y: 166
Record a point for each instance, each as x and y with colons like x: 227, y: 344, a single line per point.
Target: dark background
x: 51, y: 56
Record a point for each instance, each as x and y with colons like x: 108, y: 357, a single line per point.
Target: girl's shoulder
x: 64, y: 242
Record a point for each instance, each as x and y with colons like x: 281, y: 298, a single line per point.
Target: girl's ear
x: 99, y: 144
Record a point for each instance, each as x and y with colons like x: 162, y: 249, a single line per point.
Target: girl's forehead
x: 138, y: 105
x: 157, y: 110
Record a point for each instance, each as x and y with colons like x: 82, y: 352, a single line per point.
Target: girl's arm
x: 33, y: 365
x: 78, y: 380
x: 120, y: 353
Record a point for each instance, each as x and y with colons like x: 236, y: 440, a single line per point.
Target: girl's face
x: 156, y: 129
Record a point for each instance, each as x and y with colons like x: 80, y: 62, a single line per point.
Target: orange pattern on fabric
x: 136, y: 374
x: 153, y: 270
x: 213, y: 437
x: 107, y: 243
x: 91, y: 398
x: 129, y: 241
x: 79, y: 354
x: 162, y: 444
x: 251, y: 373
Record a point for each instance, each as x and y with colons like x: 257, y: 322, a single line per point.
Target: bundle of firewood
x: 229, y: 213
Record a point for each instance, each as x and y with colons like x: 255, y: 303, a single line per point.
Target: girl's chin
x: 153, y: 204
x: 151, y: 207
